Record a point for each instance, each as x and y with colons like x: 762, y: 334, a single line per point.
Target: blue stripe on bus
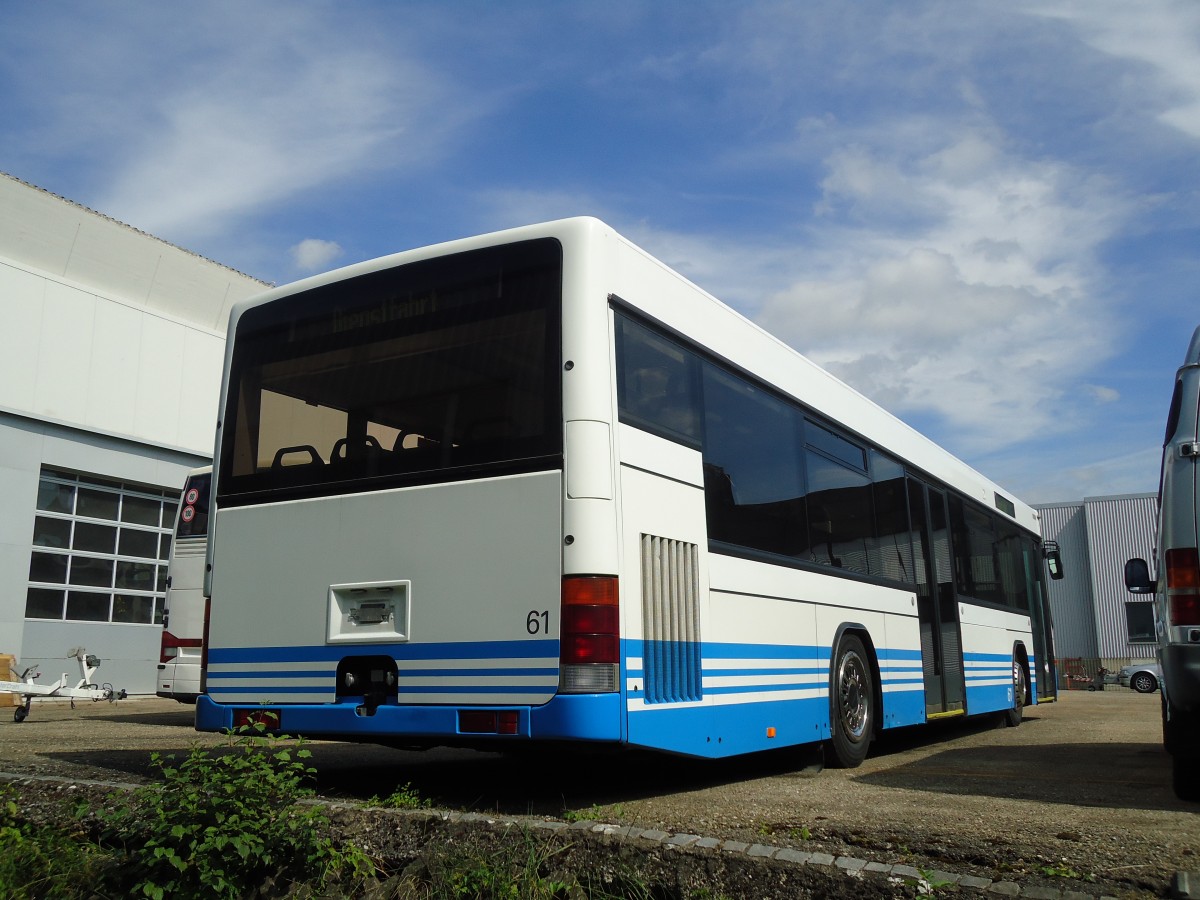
x: 545, y: 648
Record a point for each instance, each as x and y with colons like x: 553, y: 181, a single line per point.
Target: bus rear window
x: 433, y: 371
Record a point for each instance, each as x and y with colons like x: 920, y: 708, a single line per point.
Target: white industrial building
x: 111, y: 346
x: 1097, y: 622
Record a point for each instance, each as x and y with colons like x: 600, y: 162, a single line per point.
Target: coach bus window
x: 839, y: 514
x: 754, y: 488
x: 656, y: 382
x: 974, y: 552
x: 890, y: 553
x: 1012, y: 565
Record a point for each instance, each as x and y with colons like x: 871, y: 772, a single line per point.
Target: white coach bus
x: 536, y: 486
x: 183, y: 614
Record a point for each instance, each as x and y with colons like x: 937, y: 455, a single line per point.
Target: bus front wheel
x: 852, y: 706
x: 1013, y: 716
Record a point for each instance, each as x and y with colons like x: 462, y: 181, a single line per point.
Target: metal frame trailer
x: 85, y: 688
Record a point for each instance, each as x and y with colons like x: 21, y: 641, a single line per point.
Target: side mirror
x: 1053, y: 559
x: 1137, y: 577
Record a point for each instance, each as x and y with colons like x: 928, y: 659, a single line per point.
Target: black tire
x: 1144, y: 683
x: 1013, y: 717
x: 19, y: 714
x: 852, y: 704
x: 1185, y: 777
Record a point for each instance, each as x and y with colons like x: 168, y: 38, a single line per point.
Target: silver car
x: 1142, y: 677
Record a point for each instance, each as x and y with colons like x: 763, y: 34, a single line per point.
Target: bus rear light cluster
x: 590, y: 643
x: 488, y: 721
x: 1183, y: 585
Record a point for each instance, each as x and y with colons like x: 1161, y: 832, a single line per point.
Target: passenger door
x: 937, y: 605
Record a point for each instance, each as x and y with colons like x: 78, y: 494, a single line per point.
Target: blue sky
x: 985, y: 216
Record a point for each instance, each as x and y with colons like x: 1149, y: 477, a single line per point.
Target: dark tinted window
x: 993, y: 559
x: 840, y: 520
x: 441, y: 369
x: 753, y: 481
x: 1013, y: 565
x: 835, y: 446
x: 890, y: 554
x: 656, y: 382
x: 780, y: 481
x: 1139, y: 618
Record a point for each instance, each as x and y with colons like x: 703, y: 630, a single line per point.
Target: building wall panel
x: 22, y: 296
x: 1118, y: 528
x: 1071, y: 600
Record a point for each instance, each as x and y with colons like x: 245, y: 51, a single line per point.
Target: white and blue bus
x: 535, y: 486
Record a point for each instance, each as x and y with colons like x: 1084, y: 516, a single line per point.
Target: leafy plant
x: 595, y: 813
x: 929, y: 885
x: 511, y: 870
x: 41, y: 861
x: 1063, y: 870
x: 226, y: 824
x: 404, y: 797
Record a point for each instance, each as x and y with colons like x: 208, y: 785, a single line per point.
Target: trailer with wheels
x: 84, y: 689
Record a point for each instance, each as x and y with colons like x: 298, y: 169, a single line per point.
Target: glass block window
x: 100, y: 550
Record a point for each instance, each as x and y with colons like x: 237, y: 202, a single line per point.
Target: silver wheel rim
x: 1018, y: 686
x: 853, y: 701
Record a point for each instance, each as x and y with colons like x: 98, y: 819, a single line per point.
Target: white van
x: 1176, y: 585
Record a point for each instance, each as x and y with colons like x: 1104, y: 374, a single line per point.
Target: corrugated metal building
x: 1096, y: 621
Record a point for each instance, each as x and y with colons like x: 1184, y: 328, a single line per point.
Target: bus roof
x: 652, y: 287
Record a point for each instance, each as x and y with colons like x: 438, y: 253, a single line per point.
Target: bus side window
x: 656, y: 382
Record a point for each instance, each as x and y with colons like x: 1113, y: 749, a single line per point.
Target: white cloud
x: 250, y: 136
x: 970, y: 294
x: 1162, y: 35
x: 1102, y: 394
x: 190, y: 119
x: 314, y: 254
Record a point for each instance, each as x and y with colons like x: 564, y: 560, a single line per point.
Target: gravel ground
x: 1076, y: 799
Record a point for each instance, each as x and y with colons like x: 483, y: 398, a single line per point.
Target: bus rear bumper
x: 578, y: 717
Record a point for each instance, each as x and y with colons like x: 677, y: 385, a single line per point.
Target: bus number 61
x: 537, y: 622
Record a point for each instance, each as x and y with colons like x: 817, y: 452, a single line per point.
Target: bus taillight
x: 1183, y: 585
x: 590, y: 639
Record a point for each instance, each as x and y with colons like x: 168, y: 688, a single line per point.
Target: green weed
x: 404, y: 797
x: 224, y: 825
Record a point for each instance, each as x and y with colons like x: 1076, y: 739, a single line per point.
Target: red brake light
x: 590, y: 620
x: 1183, y: 585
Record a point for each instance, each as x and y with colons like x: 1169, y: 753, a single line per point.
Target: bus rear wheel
x: 852, y: 705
